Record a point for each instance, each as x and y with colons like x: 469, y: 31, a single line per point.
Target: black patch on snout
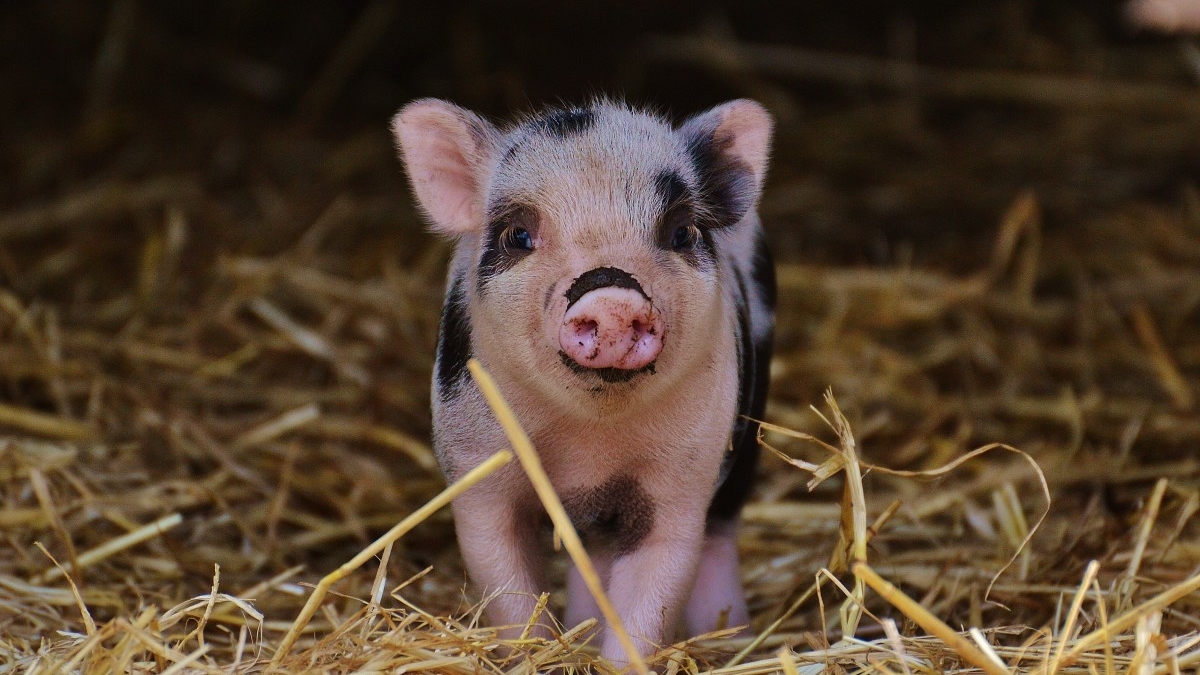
x: 561, y: 123
x: 726, y: 183
x: 454, y: 342
x: 618, y: 510
x: 602, y: 277
x: 608, y: 375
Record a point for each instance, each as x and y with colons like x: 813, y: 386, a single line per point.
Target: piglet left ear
x: 730, y: 145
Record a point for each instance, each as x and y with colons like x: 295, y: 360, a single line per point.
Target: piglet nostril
x: 638, y: 329
x: 582, y: 333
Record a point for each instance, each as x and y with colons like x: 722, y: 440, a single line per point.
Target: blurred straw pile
x: 214, y: 384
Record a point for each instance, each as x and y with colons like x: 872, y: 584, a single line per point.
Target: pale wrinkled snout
x: 612, y: 327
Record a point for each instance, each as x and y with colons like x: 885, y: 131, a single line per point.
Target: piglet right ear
x: 443, y: 148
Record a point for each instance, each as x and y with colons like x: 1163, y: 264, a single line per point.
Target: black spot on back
x: 741, y: 463
x: 454, y: 342
x: 602, y: 277
x: 561, y: 123
x: 726, y: 184
x: 619, y: 510
x: 763, y: 270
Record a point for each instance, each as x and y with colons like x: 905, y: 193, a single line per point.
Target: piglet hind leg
x: 717, y: 599
x: 581, y: 604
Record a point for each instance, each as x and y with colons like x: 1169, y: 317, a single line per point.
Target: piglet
x: 610, y: 272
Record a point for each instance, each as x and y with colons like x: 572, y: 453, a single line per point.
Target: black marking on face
x: 671, y: 187
x: 726, y: 183
x: 561, y: 123
x: 602, y: 277
x: 510, y: 152
x: 454, y: 342
x: 707, y: 246
x: 608, y: 375
x: 557, y: 123
x: 741, y: 464
x: 618, y: 510
x: 507, y: 240
x: 679, y: 230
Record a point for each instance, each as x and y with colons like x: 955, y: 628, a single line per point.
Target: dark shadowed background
x: 884, y: 153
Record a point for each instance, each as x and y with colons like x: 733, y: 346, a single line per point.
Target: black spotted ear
x: 444, y: 148
x: 729, y: 145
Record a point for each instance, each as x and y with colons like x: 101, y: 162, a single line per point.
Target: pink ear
x: 1168, y: 16
x: 740, y: 130
x: 443, y: 148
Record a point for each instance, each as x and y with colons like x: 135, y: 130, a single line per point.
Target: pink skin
x: 1169, y: 16
x: 717, y: 600
x: 581, y: 604
x: 612, y: 328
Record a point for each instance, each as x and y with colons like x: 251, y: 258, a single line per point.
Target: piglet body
x: 610, y: 272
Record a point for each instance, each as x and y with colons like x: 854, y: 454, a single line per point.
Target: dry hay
x: 165, y: 466
x: 206, y: 415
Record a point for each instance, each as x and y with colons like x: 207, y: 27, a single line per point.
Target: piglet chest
x: 618, y: 512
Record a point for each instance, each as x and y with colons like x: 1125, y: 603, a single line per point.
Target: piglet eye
x: 685, y: 237
x: 515, y: 238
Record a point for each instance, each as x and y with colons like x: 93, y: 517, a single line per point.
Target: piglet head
x: 589, y: 240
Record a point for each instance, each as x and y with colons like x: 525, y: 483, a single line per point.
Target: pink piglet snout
x: 612, y: 327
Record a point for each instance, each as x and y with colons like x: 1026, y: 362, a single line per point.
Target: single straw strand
x: 1146, y: 528
x: 115, y: 546
x: 1089, y: 575
x: 43, y: 424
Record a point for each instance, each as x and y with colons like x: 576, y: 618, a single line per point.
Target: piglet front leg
x: 499, y: 543
x: 581, y: 606
x: 650, y: 582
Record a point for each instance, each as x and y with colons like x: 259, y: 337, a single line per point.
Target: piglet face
x: 605, y: 299
x: 589, y: 238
